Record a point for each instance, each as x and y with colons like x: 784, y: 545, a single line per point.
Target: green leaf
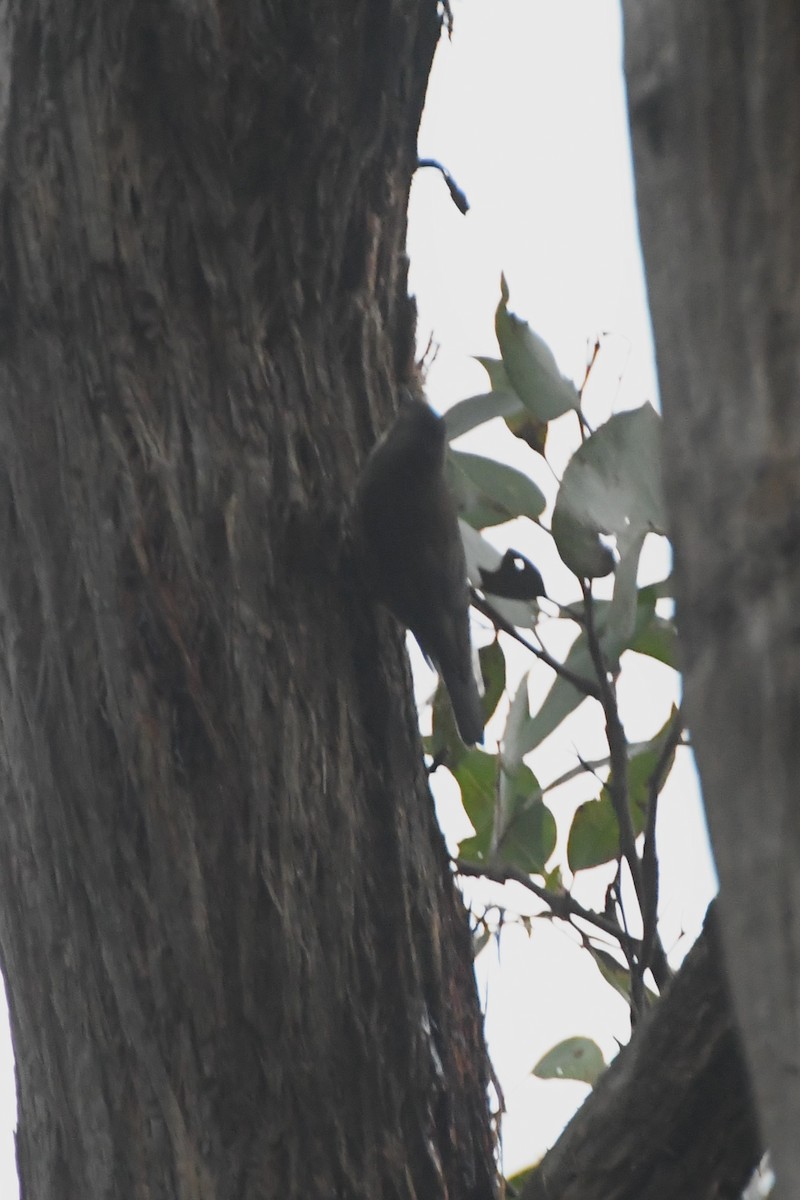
x: 615, y: 974
x: 612, y: 486
x: 562, y: 699
x: 529, y: 430
x: 477, y: 410
x: 580, y: 548
x: 614, y: 626
x: 594, y: 834
x: 525, y: 829
x: 444, y: 741
x: 622, y: 613
x: 476, y: 776
x: 531, y: 365
x: 645, y: 760
x: 658, y: 638
x: 575, y: 1058
x: 498, y: 375
x: 493, y: 670
x: 554, y: 881
x: 490, y: 492
x: 514, y: 740
x: 612, y: 971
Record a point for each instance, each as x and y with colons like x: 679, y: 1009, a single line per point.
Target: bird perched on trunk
x: 412, y: 554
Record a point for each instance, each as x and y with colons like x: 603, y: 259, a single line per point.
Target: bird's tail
x: 466, y: 701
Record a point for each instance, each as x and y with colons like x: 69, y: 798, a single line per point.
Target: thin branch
x: 649, y: 856
x: 617, y: 785
x: 562, y: 905
x: 634, y: 968
x: 592, y: 767
x: 456, y: 194
x: 586, y: 686
x: 618, y: 778
x: 589, y: 366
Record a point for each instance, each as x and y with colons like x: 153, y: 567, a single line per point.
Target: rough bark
x: 673, y: 1116
x: 715, y: 108
x: 235, y: 960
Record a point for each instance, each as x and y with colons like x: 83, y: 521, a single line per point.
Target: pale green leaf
x: 501, y: 490
x: 531, y: 366
x: 575, y: 1058
x: 612, y: 486
x: 477, y: 410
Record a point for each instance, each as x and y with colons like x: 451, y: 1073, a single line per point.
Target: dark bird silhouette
x: 411, y: 549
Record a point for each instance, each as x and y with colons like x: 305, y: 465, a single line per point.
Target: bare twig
x: 618, y: 778
x: 586, y: 686
x: 589, y: 366
x: 649, y: 856
x: 618, y: 791
x: 561, y: 904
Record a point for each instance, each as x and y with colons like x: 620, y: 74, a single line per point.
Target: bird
x: 412, y: 554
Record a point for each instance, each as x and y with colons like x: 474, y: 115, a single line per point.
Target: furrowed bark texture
x: 715, y: 109
x: 236, y: 963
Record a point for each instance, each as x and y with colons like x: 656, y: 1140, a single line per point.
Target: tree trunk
x: 715, y: 108
x: 236, y: 963
x: 673, y: 1116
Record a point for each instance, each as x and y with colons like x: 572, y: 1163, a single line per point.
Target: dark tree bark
x: 715, y: 107
x: 673, y: 1116
x: 235, y: 960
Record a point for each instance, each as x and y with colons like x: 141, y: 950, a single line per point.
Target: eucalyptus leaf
x: 477, y: 410
x: 476, y: 506
x: 531, y: 365
x: 612, y: 486
x: 502, y: 489
x: 659, y: 640
x: 493, y: 670
x: 562, y: 699
x: 529, y: 838
x: 514, y: 735
x: 476, y: 775
x: 612, y: 971
x: 580, y: 547
x: 594, y: 834
x: 575, y: 1058
x: 498, y: 375
x: 528, y: 429
x: 524, y: 828
x: 621, y: 619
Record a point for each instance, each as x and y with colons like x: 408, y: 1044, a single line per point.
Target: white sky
x: 526, y: 109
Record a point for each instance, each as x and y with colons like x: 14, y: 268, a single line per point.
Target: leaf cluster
x: 608, y: 501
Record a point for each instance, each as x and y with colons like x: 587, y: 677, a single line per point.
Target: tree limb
x: 636, y: 1136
